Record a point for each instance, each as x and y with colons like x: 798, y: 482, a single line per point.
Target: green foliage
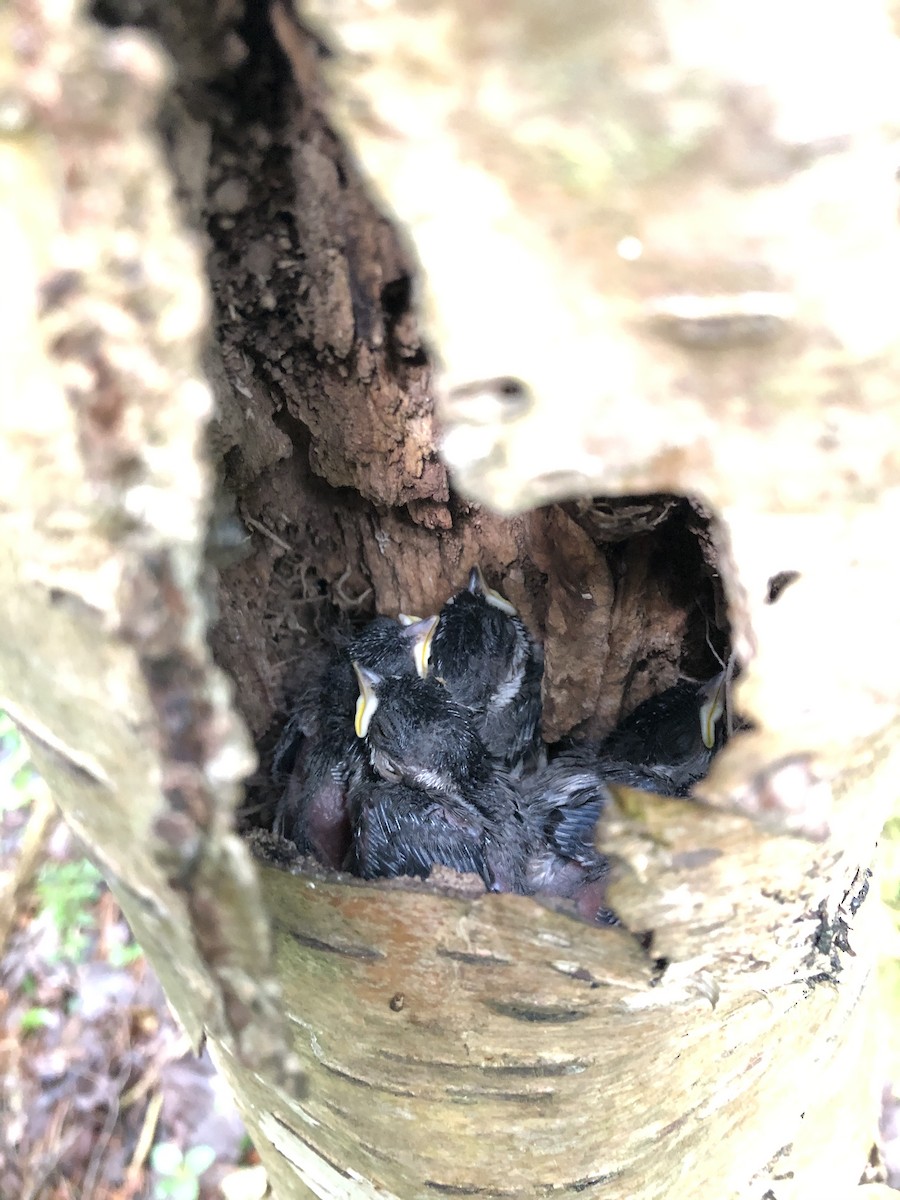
x: 179, y: 1174
x: 124, y: 956
x: 66, y: 892
x: 34, y: 1019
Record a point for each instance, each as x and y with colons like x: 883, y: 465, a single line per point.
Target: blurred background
x: 101, y: 1094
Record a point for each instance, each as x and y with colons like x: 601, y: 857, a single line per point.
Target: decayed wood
x: 312, y: 539
x: 453, y: 1043
x: 684, y: 256
x: 699, y: 229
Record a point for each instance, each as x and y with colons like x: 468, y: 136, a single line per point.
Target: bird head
x: 415, y: 732
x: 394, y: 647
x: 478, y: 587
x: 418, y: 635
x: 479, y: 643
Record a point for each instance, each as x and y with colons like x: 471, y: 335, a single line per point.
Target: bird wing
x: 401, y: 831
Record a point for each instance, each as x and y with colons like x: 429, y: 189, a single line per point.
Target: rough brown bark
x: 453, y: 1043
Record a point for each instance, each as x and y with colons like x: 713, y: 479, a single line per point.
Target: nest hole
x: 624, y: 594
x: 325, y: 442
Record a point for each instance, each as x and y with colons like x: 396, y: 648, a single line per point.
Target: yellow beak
x: 367, y: 701
x: 712, y: 709
x: 478, y: 584
x: 421, y: 634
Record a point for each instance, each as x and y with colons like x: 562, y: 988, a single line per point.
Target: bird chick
x: 400, y: 830
x: 446, y: 801
x: 565, y: 800
x: 489, y: 663
x: 679, y: 730
x: 319, y: 751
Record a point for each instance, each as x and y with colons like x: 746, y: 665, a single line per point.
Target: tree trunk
x: 655, y: 271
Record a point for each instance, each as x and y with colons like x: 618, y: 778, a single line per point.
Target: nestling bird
x: 444, y: 801
x: 565, y: 800
x: 678, y: 730
x: 401, y: 830
x: 319, y: 750
x: 489, y: 663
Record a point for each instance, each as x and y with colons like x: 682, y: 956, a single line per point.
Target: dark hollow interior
x: 623, y: 593
x: 324, y: 438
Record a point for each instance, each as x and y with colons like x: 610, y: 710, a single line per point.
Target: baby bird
x: 487, y: 660
x: 679, y: 730
x: 566, y: 799
x: 404, y: 831
x: 318, y: 749
x: 444, y: 801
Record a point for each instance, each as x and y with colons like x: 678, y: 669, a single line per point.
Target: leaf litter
x: 101, y: 1097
